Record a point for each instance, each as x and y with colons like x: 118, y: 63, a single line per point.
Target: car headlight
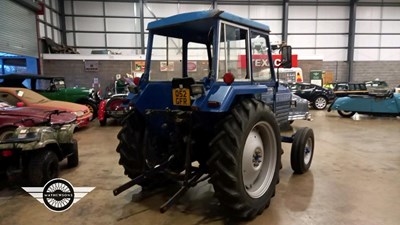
x: 79, y: 113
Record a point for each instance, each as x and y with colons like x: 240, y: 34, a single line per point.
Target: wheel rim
x: 90, y: 108
x: 320, y: 103
x: 308, y: 149
x: 259, y: 159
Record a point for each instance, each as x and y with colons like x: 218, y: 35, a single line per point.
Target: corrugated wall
x: 17, y: 29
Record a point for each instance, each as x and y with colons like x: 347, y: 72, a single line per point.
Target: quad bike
x: 220, y: 124
x: 35, y: 152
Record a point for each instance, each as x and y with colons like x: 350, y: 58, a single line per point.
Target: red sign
x: 262, y: 60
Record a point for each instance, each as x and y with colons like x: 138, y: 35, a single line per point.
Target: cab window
x: 259, y: 52
x: 232, y: 49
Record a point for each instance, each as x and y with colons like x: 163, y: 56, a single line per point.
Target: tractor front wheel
x: 247, y: 149
x: 302, y: 150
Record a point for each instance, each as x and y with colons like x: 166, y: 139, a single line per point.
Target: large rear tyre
x: 43, y: 167
x: 131, y: 148
x: 346, y: 114
x: 131, y: 145
x: 302, y: 150
x: 247, y: 149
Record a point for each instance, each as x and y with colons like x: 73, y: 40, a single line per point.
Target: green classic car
x: 54, y: 88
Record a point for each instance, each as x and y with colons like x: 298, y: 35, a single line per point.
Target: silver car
x: 299, y: 109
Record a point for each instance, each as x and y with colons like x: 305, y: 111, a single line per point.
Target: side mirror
x: 286, y: 51
x: 20, y: 104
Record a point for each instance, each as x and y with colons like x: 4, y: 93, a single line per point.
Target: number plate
x: 181, y: 96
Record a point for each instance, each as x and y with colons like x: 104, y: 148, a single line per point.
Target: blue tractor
x: 208, y: 107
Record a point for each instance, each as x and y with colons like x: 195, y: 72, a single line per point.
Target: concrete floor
x: 354, y: 179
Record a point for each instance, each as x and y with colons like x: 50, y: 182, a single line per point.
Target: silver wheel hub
x: 308, y: 151
x: 320, y: 102
x: 259, y: 159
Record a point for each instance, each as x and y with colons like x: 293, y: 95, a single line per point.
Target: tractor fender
x: 221, y: 97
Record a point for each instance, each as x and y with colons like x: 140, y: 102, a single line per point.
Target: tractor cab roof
x: 195, y: 26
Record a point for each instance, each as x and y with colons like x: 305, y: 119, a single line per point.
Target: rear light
x: 6, y: 153
x: 228, y: 78
x: 136, y: 81
x: 214, y: 104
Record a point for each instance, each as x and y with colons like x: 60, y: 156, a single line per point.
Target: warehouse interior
x: 354, y: 177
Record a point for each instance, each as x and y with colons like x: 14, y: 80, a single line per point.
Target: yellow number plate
x: 181, y: 96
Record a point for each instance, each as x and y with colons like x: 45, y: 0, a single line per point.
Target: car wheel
x: 43, y: 167
x: 320, y: 103
x: 73, y: 160
x: 91, y: 106
x: 346, y: 114
x: 6, y: 133
x: 302, y: 150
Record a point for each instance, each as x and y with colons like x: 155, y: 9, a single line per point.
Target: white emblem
x: 58, y: 195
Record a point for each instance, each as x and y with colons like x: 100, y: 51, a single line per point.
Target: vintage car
x: 114, y: 107
x: 375, y: 103
x: 35, y: 147
x: 318, y: 96
x: 342, y: 89
x: 54, y: 88
x: 24, y: 97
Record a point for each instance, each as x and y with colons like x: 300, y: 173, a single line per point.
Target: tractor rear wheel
x: 130, y: 145
x: 131, y: 149
x: 247, y: 149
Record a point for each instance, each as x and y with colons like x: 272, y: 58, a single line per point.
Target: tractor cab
x: 203, y: 60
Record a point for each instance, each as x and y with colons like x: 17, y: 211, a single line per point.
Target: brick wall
x: 75, y: 75
x: 388, y: 71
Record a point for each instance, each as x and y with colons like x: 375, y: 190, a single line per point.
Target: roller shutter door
x: 17, y: 29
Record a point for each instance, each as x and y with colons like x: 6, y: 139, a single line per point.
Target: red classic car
x: 24, y: 97
x: 113, y: 107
